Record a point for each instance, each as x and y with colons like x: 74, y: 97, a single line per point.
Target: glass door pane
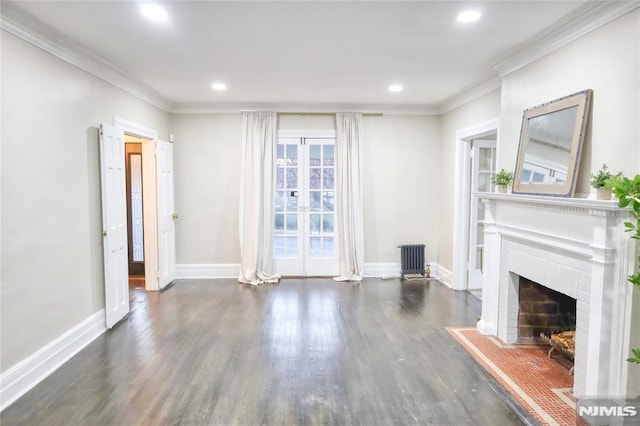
x: 483, y: 167
x: 321, y: 198
x: 286, y: 223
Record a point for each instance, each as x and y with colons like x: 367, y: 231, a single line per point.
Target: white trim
x: 471, y: 93
x: 302, y: 133
x: 444, y: 275
x: 380, y: 270
x: 208, y: 270
x: 134, y: 128
x: 20, y: 378
x: 32, y: 30
x: 149, y: 199
x: 461, y: 202
x: 579, y: 23
x: 232, y: 270
x: 206, y: 108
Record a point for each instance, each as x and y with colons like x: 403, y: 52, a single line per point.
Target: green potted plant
x: 501, y: 180
x: 598, y: 182
x: 628, y: 193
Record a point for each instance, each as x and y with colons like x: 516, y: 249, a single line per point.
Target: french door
x: 304, y: 242
x: 483, y: 167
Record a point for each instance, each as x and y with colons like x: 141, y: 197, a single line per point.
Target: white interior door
x: 166, y: 213
x: 483, y: 167
x: 304, y: 225
x: 114, y: 223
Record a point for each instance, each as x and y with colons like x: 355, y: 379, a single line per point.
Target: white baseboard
x: 444, y: 275
x: 23, y: 376
x: 208, y: 270
x: 381, y: 269
x: 232, y: 270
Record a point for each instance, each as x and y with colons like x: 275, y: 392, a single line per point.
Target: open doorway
x: 477, y: 150
x: 158, y: 216
x: 135, y: 211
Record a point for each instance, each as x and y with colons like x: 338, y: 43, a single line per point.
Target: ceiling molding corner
x: 471, y: 93
x: 21, y: 24
x: 284, y: 108
x: 582, y: 21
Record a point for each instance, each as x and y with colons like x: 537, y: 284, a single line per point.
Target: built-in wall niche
x: 543, y: 310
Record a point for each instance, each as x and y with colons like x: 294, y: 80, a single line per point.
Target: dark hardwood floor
x: 303, y: 352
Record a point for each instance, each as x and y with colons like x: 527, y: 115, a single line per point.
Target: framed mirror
x: 551, y: 141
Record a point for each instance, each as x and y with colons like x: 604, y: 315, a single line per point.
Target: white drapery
x: 256, y: 197
x: 349, y: 196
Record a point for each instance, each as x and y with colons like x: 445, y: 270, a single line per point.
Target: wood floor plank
x: 303, y: 352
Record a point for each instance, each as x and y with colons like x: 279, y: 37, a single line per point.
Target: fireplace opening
x: 543, y: 310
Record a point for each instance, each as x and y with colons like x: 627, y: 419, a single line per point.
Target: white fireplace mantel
x: 578, y: 247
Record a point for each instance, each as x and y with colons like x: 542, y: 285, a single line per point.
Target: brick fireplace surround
x: 576, y: 247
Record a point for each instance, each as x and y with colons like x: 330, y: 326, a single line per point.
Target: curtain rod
x: 364, y: 114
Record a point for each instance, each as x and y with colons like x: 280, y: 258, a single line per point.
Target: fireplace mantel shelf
x: 542, y: 201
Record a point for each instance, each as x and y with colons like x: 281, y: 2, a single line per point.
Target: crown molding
x: 23, y: 25
x: 471, y: 93
x: 585, y: 19
x: 284, y: 108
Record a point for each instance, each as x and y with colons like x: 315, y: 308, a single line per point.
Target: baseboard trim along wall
x: 208, y: 270
x: 444, y: 275
x: 23, y: 376
x: 232, y: 270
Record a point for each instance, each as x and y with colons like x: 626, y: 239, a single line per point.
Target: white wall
x: 401, y: 167
x: 51, y: 214
x: 478, y: 111
x: 607, y: 61
x: 207, y: 153
x: 401, y: 184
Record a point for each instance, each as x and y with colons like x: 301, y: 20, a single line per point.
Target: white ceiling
x: 301, y: 52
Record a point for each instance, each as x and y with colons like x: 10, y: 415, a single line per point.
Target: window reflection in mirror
x: 548, y: 149
x: 550, y: 146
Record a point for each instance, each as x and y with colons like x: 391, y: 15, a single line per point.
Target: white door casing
x: 114, y: 223
x: 462, y: 197
x: 166, y: 213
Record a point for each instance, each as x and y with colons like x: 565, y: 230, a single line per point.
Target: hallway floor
x: 303, y: 352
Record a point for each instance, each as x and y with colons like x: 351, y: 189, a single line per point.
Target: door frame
x: 462, y: 195
x: 149, y: 201
x: 310, y: 134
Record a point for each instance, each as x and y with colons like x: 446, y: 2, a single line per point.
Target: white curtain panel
x: 256, y: 197
x: 349, y: 196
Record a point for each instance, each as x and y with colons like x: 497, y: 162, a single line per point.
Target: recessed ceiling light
x: 395, y: 88
x: 219, y: 86
x: 153, y: 12
x: 469, y: 16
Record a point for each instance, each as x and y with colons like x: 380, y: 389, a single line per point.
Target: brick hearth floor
x: 541, y: 385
